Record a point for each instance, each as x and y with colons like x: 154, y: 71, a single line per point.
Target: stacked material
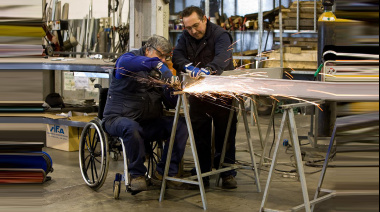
x: 21, y: 29
x: 24, y: 162
x: 294, y: 58
x: 306, y: 15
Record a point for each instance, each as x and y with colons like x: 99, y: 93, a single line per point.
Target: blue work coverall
x: 134, y: 112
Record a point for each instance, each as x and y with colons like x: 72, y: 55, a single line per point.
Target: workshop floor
x: 68, y: 192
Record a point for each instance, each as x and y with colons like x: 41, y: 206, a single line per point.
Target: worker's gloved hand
x: 164, y: 71
x: 195, y: 73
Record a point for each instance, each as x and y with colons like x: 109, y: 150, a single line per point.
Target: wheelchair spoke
x: 88, y: 148
x: 96, y: 171
x: 92, y: 169
x: 89, y: 139
x: 87, y: 158
x: 88, y: 164
x: 98, y: 160
x: 96, y: 141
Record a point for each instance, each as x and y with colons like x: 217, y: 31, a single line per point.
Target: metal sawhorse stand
x: 263, y: 159
x: 350, y: 122
x: 197, y: 180
x: 288, y: 118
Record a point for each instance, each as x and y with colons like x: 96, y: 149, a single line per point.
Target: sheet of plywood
x: 291, y: 49
x: 293, y: 22
x: 305, y: 56
x: 290, y: 64
x: 306, y: 10
x: 302, y: 15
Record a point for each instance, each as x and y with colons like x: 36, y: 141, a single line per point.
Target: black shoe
x: 138, y: 184
x: 229, y: 182
x: 206, y: 183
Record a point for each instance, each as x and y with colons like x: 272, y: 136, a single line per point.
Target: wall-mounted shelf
x: 296, y: 31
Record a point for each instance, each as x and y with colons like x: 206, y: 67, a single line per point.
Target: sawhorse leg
x: 251, y: 151
x: 288, y: 114
x: 228, y: 130
x: 183, y: 99
x: 271, y: 122
x: 325, y: 165
x: 255, y: 114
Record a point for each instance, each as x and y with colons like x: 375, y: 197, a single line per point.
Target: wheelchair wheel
x: 93, y: 154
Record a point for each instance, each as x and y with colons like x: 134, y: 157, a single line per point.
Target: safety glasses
x: 161, y: 55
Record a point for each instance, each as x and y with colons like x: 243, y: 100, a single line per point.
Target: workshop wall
x: 79, y: 9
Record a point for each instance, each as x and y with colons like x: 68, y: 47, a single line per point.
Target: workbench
x: 67, y: 64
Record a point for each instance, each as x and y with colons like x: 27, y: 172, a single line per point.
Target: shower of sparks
x: 272, y: 97
x: 303, y: 100
x: 234, y: 43
x: 239, y: 89
x: 245, y: 65
x: 150, y: 80
x: 255, y: 74
x: 291, y: 68
x: 289, y: 75
x: 229, y: 59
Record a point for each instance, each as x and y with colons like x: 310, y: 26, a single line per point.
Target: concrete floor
x: 68, y: 192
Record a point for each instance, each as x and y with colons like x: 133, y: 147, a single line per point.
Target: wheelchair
x: 97, y: 148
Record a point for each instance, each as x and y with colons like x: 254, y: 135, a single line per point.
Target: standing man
x: 134, y: 109
x: 206, y: 46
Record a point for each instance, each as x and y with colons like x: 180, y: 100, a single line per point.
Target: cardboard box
x: 64, y: 137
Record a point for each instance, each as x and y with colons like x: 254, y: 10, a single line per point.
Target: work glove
x: 195, y: 72
x: 161, y: 72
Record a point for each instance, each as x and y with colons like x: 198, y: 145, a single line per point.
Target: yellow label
x: 21, y: 31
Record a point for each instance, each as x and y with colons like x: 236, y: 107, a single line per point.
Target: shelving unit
x: 262, y: 32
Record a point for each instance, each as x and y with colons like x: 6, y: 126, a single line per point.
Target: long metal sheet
x: 294, y: 89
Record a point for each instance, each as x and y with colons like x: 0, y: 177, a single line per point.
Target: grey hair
x: 160, y: 43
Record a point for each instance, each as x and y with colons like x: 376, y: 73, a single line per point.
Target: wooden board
x: 302, y: 47
x: 306, y: 10
x: 302, y: 15
x: 251, y: 52
x: 304, y: 56
x: 291, y: 49
x: 306, y: 3
x: 294, y: 65
x: 293, y: 22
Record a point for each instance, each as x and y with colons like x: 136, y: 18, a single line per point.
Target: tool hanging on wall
x: 56, y: 24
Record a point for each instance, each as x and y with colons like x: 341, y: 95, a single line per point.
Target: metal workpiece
x: 64, y: 64
x: 291, y: 89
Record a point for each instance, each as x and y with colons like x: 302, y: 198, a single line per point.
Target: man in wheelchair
x: 140, y: 84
